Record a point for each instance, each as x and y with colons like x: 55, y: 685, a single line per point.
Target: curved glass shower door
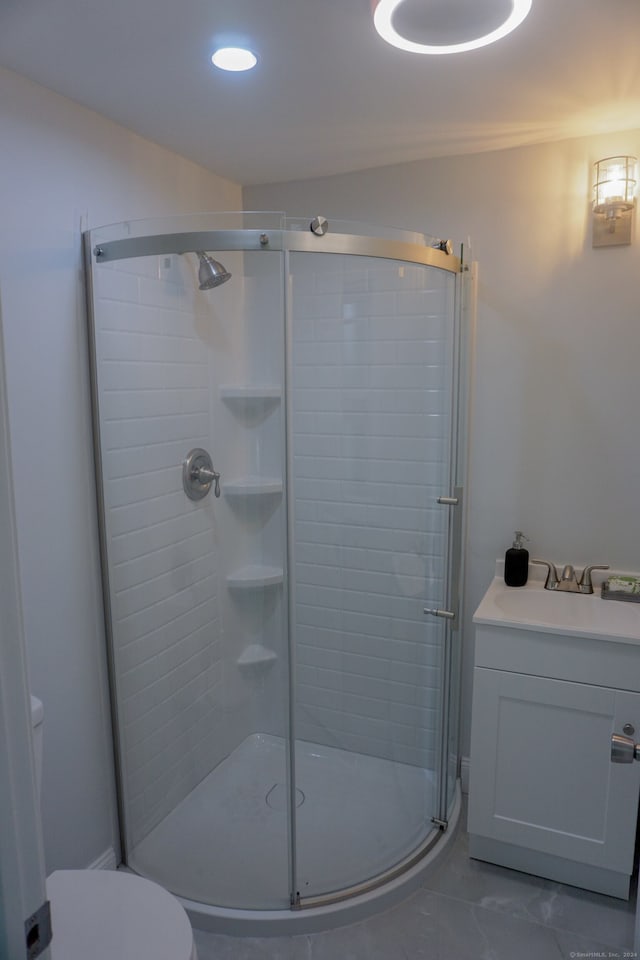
x: 196, y: 582
x: 371, y: 436
x: 270, y: 456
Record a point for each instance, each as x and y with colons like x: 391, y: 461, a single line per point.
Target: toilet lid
x: 110, y: 915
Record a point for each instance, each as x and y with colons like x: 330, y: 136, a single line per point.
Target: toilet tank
x: 37, y: 716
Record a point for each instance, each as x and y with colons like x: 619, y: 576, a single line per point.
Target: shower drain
x: 276, y: 797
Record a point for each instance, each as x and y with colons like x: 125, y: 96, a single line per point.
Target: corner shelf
x: 255, y: 577
x: 251, y: 399
x: 255, y: 655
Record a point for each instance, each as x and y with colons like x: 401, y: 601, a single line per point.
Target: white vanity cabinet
x: 544, y: 796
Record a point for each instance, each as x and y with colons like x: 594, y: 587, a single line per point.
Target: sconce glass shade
x: 614, y: 184
x: 613, y: 201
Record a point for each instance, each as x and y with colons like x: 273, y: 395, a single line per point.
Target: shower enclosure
x: 280, y: 503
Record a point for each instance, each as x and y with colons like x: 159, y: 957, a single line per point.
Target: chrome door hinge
x: 449, y: 501
x: 443, y: 824
x: 37, y: 931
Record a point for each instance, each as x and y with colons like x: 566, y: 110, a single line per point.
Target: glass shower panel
x: 196, y: 587
x: 371, y: 394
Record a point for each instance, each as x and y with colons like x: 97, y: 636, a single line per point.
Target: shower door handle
x: 454, y: 555
x: 437, y: 612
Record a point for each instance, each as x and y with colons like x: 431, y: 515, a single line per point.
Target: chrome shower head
x: 211, y: 273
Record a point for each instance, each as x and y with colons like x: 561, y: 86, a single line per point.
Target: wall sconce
x: 613, y: 202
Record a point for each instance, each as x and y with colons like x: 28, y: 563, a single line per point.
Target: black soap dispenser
x: 516, y: 562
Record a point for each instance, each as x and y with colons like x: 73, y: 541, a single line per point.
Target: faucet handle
x: 585, y: 584
x: 552, y: 574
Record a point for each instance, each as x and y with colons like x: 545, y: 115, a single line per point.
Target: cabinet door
x: 541, y: 775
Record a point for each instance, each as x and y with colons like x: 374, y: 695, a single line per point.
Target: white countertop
x: 548, y: 611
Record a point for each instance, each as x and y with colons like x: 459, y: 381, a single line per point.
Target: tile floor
x: 467, y: 910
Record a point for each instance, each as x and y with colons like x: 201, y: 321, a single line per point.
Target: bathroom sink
x: 538, y: 604
x: 534, y: 608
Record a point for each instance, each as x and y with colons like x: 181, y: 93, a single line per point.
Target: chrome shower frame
x: 287, y: 241
x: 283, y: 240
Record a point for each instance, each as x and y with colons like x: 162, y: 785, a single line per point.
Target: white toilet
x: 108, y: 914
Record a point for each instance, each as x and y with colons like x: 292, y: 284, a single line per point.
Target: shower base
x: 226, y: 843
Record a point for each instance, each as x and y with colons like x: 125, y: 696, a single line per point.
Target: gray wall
x: 555, y: 432
x: 64, y: 168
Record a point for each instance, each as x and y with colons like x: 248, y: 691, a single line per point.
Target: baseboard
x: 106, y: 861
x: 584, y: 875
x: 465, y: 763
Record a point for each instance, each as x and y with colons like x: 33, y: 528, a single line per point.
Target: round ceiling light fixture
x: 383, y: 14
x: 235, y: 59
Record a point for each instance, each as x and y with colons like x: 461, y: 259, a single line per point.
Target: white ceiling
x: 328, y: 95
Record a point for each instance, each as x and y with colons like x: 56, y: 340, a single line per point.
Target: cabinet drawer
x: 606, y: 663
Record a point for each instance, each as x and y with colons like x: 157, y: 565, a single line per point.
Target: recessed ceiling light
x: 383, y: 21
x: 234, y: 58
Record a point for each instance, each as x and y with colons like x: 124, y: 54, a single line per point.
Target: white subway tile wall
x: 155, y: 403
x: 372, y: 367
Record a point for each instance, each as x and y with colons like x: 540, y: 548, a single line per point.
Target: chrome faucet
x: 568, y: 581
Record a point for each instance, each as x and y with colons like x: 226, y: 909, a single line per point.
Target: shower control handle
x: 205, y: 475
x: 198, y: 475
